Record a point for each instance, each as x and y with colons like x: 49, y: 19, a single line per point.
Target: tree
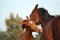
x: 13, y: 26
x: 3, y: 36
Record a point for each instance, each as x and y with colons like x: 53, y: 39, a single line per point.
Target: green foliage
x: 13, y: 27
x: 13, y: 23
x: 3, y: 36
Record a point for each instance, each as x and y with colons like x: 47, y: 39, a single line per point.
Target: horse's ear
x: 34, y: 15
x: 36, y: 6
x: 27, y: 17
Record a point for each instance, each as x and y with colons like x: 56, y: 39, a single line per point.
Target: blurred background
x: 14, y: 11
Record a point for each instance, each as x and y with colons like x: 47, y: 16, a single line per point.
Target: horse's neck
x: 43, y: 23
x: 28, y: 32
x: 28, y: 35
x: 47, y: 32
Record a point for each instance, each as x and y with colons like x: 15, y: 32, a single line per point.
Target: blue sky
x: 25, y: 7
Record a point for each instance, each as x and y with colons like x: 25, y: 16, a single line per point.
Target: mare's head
x: 39, y: 14
x: 34, y: 15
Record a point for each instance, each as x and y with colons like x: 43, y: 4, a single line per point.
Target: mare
x: 26, y: 34
x: 50, y: 24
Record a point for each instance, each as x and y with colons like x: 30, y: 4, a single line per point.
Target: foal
x: 26, y: 34
x: 29, y: 27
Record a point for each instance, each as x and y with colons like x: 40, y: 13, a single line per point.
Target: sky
x: 24, y: 8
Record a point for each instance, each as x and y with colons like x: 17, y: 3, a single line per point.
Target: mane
x: 58, y: 17
x: 43, y: 13
x: 23, y: 25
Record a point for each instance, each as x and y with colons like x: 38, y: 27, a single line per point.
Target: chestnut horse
x: 26, y: 34
x: 30, y: 27
x: 41, y: 16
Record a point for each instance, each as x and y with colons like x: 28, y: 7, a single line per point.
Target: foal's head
x: 30, y: 24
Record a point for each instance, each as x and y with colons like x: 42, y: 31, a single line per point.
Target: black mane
x: 43, y: 13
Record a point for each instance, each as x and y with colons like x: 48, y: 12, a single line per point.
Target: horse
x: 26, y: 34
x: 41, y: 16
x: 28, y: 27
